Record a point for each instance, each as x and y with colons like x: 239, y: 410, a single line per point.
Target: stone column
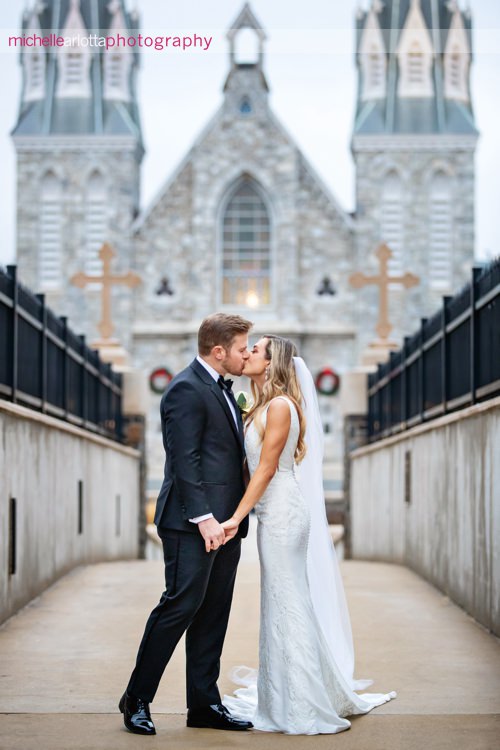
x: 134, y: 410
x: 354, y: 409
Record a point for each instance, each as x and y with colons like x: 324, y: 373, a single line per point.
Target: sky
x: 309, y: 65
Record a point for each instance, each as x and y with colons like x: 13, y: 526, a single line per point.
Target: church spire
x: 413, y: 59
x: 80, y: 89
x: 246, y: 88
x: 413, y: 143
x: 246, y: 33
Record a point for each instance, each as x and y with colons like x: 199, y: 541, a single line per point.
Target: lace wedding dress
x: 298, y: 688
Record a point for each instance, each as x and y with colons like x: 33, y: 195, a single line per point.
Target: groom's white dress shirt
x: 215, y: 376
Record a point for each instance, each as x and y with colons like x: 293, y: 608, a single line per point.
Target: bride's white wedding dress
x: 299, y: 689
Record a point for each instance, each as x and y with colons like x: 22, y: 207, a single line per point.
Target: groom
x: 203, y: 484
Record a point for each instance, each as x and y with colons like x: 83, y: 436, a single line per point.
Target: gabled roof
x: 205, y: 133
x: 246, y: 20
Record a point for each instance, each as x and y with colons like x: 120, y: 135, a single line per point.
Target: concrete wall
x: 42, y: 461
x: 448, y: 527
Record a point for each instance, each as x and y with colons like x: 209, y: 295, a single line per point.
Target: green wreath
x: 327, y: 382
x: 159, y: 379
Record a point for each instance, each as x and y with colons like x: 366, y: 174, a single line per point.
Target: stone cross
x: 107, y: 281
x: 382, y: 280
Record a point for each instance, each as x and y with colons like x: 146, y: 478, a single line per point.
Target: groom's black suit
x: 203, y: 474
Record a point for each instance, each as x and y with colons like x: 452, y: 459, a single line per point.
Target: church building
x: 245, y: 224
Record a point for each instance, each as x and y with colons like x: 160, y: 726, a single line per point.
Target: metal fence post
x: 64, y: 321
x: 108, y: 408
x: 444, y: 354
x: 473, y: 335
x: 83, y: 382
x: 404, y: 383
x: 43, y: 353
x: 118, y: 401
x: 12, y: 271
x: 421, y: 371
x: 390, y: 386
x: 98, y: 406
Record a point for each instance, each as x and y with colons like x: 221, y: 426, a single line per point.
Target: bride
x: 305, y: 679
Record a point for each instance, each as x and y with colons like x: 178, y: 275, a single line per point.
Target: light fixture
x: 252, y: 299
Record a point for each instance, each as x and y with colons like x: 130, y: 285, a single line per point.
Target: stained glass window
x: 246, y: 256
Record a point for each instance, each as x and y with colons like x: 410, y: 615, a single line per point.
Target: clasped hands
x: 216, y: 534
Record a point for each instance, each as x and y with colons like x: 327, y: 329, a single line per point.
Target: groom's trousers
x: 196, y: 601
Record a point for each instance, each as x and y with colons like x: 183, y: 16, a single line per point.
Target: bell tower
x: 246, y: 90
x: 79, y: 149
x: 413, y: 143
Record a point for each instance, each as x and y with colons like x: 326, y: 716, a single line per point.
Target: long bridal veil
x: 325, y: 582
x: 323, y: 574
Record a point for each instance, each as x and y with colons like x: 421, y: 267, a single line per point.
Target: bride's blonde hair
x: 281, y: 380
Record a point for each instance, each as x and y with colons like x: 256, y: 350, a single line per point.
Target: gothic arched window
x: 455, y: 69
x: 114, y: 71
x: 416, y: 65
x: 50, y: 219
x: 116, y: 75
x: 73, y: 62
x: 373, y: 60
x: 34, y: 60
x: 456, y: 63
x: 440, y: 232
x: 415, y: 68
x: 73, y: 71
x: 246, y: 248
x: 95, y: 222
x: 392, y: 220
x: 376, y: 69
x: 373, y: 65
x: 35, y: 75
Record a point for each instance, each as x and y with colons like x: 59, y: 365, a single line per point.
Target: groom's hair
x: 220, y: 329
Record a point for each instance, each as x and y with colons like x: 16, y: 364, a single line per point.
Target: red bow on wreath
x: 327, y: 382
x: 159, y: 379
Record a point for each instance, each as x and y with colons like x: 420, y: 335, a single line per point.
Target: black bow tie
x: 226, y: 385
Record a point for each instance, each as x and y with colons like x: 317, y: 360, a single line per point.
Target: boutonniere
x: 243, y: 401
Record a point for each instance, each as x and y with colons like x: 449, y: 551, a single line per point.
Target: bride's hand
x: 230, y: 529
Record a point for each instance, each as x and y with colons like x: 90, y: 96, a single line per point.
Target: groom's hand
x: 212, y: 532
x: 230, y: 529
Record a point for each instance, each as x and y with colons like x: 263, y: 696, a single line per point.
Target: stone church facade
x: 245, y: 224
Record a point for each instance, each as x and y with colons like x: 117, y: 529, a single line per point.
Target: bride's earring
x: 267, y: 372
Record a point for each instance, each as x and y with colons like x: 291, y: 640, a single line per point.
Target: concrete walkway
x: 64, y: 661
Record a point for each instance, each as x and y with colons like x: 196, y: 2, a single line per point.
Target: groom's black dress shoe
x: 215, y: 717
x: 136, y: 716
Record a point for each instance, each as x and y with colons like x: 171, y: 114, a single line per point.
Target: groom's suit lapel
x: 217, y: 391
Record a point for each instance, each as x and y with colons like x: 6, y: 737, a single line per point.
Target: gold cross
x: 107, y: 280
x: 359, y: 280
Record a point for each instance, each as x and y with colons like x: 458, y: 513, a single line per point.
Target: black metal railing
x: 45, y: 366
x: 452, y: 361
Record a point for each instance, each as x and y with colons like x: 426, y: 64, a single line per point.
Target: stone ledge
x: 182, y: 329
x: 23, y: 412
x: 435, y: 424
